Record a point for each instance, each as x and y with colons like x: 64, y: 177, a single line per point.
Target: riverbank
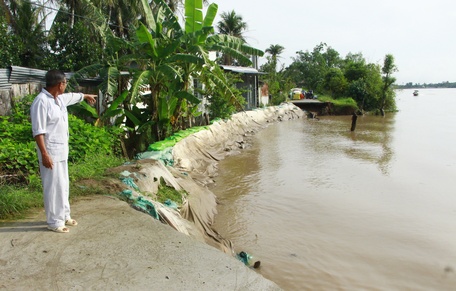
x: 118, y: 247
x: 115, y: 247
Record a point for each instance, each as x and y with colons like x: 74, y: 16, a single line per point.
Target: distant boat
x: 415, y: 93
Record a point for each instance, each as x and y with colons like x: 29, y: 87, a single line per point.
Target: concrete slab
x: 115, y: 247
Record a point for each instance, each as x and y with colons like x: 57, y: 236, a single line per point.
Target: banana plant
x: 168, y: 57
x: 198, y: 40
x: 114, y: 110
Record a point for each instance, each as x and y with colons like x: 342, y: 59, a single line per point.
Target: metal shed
x: 21, y: 75
x: 4, y: 77
x: 250, y: 83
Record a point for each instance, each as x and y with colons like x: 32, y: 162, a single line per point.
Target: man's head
x: 55, y: 82
x: 54, y: 78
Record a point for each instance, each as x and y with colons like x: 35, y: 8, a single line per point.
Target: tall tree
x: 122, y: 15
x: 72, y: 6
x: 275, y: 50
x: 9, y: 54
x: 335, y: 82
x: 28, y: 28
x: 231, y: 24
x: 312, y: 67
x: 388, y: 80
x: 8, y: 10
x: 364, y: 81
x: 274, y: 80
x: 73, y: 48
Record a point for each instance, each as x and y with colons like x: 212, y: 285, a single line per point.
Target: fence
x: 17, y: 82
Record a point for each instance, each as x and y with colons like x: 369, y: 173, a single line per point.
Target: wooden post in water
x: 354, y: 118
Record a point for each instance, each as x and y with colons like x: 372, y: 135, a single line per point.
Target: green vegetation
x: 92, y: 151
x: 278, y: 82
x: 86, y: 139
x: 223, y: 105
x: 325, y: 72
x: 166, y: 58
x: 166, y: 192
x: 92, y: 168
x: 18, y: 157
x: 9, y: 53
x: 231, y: 24
x: 341, y: 106
x: 145, y: 47
x: 18, y: 198
x: 388, y: 80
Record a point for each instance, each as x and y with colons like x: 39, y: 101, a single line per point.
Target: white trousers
x: 56, y: 190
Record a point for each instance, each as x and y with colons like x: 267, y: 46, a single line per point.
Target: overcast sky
x: 419, y: 34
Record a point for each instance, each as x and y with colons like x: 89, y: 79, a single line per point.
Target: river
x: 324, y: 208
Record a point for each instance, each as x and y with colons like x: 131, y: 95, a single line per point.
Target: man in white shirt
x: 50, y: 129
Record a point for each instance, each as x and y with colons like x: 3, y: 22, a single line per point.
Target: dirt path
x: 115, y: 247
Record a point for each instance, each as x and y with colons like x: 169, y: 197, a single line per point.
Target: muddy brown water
x: 324, y: 208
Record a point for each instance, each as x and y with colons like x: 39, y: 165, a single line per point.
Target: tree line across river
x: 410, y: 85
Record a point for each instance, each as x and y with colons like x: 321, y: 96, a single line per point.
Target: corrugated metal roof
x: 4, y: 77
x: 21, y: 75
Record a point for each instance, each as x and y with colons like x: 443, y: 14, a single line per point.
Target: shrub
x: 18, y: 155
x: 17, y: 148
x: 18, y: 159
x: 87, y: 139
x: 223, y: 103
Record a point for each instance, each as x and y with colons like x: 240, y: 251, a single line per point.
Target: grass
x: 166, y: 192
x: 17, y: 200
x: 341, y: 105
x: 92, y: 168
